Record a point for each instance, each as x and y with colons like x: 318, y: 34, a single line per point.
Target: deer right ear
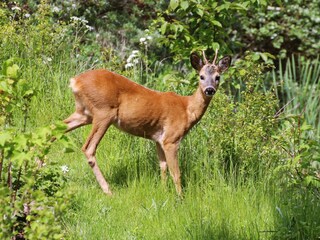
x: 196, y: 61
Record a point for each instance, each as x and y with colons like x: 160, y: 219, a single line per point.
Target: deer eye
x: 217, y: 78
x: 202, y: 77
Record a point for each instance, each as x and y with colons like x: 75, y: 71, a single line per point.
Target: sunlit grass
x: 216, y: 204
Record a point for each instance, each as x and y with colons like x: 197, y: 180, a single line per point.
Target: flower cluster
x: 18, y: 9
x: 133, y: 59
x: 144, y: 40
x: 80, y: 20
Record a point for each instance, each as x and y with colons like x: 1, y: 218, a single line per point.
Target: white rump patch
x: 73, y: 85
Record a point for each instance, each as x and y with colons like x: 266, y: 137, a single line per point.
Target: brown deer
x: 104, y: 98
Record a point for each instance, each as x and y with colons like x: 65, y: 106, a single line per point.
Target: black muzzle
x: 209, y: 92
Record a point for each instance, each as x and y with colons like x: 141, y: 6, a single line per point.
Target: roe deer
x: 104, y: 98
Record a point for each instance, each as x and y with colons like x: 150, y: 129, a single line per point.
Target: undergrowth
x: 249, y: 169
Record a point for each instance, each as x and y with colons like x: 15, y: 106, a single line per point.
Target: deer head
x: 209, y: 73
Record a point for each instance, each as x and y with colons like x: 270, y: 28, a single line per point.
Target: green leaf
x: 184, y: 5
x: 68, y: 150
x: 19, y: 157
x: 216, y: 23
x: 4, y: 86
x: 13, y: 71
x: 310, y: 180
x: 173, y: 4
x: 264, y: 57
x: 306, y: 127
x: 4, y: 138
x: 163, y: 28
x: 215, y: 45
x: 242, y: 72
x: 22, y: 141
x: 200, y: 12
x: 255, y: 56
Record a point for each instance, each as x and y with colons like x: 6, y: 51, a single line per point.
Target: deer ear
x: 224, y: 63
x: 196, y: 61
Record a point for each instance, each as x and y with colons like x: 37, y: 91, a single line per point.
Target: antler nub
x: 215, y: 57
x: 204, y: 57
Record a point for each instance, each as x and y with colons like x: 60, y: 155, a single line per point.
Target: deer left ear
x: 224, y: 63
x: 196, y: 62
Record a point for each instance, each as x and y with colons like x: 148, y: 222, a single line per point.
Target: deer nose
x: 209, y: 91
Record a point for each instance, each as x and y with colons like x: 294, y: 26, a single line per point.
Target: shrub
x: 30, y: 191
x: 282, y: 28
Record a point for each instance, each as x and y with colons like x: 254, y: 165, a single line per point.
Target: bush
x: 30, y: 185
x: 282, y: 28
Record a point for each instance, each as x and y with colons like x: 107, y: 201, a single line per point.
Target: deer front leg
x: 171, y: 155
x: 89, y: 149
x: 163, y: 163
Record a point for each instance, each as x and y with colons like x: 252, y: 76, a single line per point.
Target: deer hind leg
x: 80, y: 117
x: 171, y: 155
x: 163, y: 163
x: 99, y: 127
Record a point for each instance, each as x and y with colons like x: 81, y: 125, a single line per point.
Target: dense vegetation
x: 250, y: 168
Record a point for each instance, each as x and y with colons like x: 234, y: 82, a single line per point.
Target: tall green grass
x: 217, y: 203
x: 297, y: 85
x: 221, y: 200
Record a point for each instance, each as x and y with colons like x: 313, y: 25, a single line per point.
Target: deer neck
x: 197, y: 105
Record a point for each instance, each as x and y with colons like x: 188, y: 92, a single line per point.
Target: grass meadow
x: 216, y: 204
x: 239, y: 174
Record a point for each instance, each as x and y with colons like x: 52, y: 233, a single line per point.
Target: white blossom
x: 128, y: 65
x: 16, y: 8
x: 136, y: 61
x: 55, y: 9
x: 89, y: 27
x: 77, y: 19
x: 64, y: 169
x: 142, y: 40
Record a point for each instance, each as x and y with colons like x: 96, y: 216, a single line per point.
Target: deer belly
x: 137, y: 127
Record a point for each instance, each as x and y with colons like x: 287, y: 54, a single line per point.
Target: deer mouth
x: 209, y: 91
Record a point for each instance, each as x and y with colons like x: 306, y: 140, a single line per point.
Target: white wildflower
x: 89, y: 27
x: 74, y: 18
x: 128, y: 65
x: 64, y: 169
x: 133, y: 55
x: 16, y: 8
x: 136, y: 61
x: 142, y: 40
x: 27, y: 15
x: 84, y: 21
x: 55, y: 9
x: 46, y: 59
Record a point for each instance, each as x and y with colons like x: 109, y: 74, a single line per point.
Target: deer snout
x: 209, y: 91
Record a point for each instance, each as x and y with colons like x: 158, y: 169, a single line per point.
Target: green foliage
x: 29, y: 191
x: 243, y: 153
x: 241, y: 133
x: 16, y: 93
x: 30, y: 36
x: 300, y: 165
x: 296, y: 84
x: 281, y: 28
x: 197, y: 25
